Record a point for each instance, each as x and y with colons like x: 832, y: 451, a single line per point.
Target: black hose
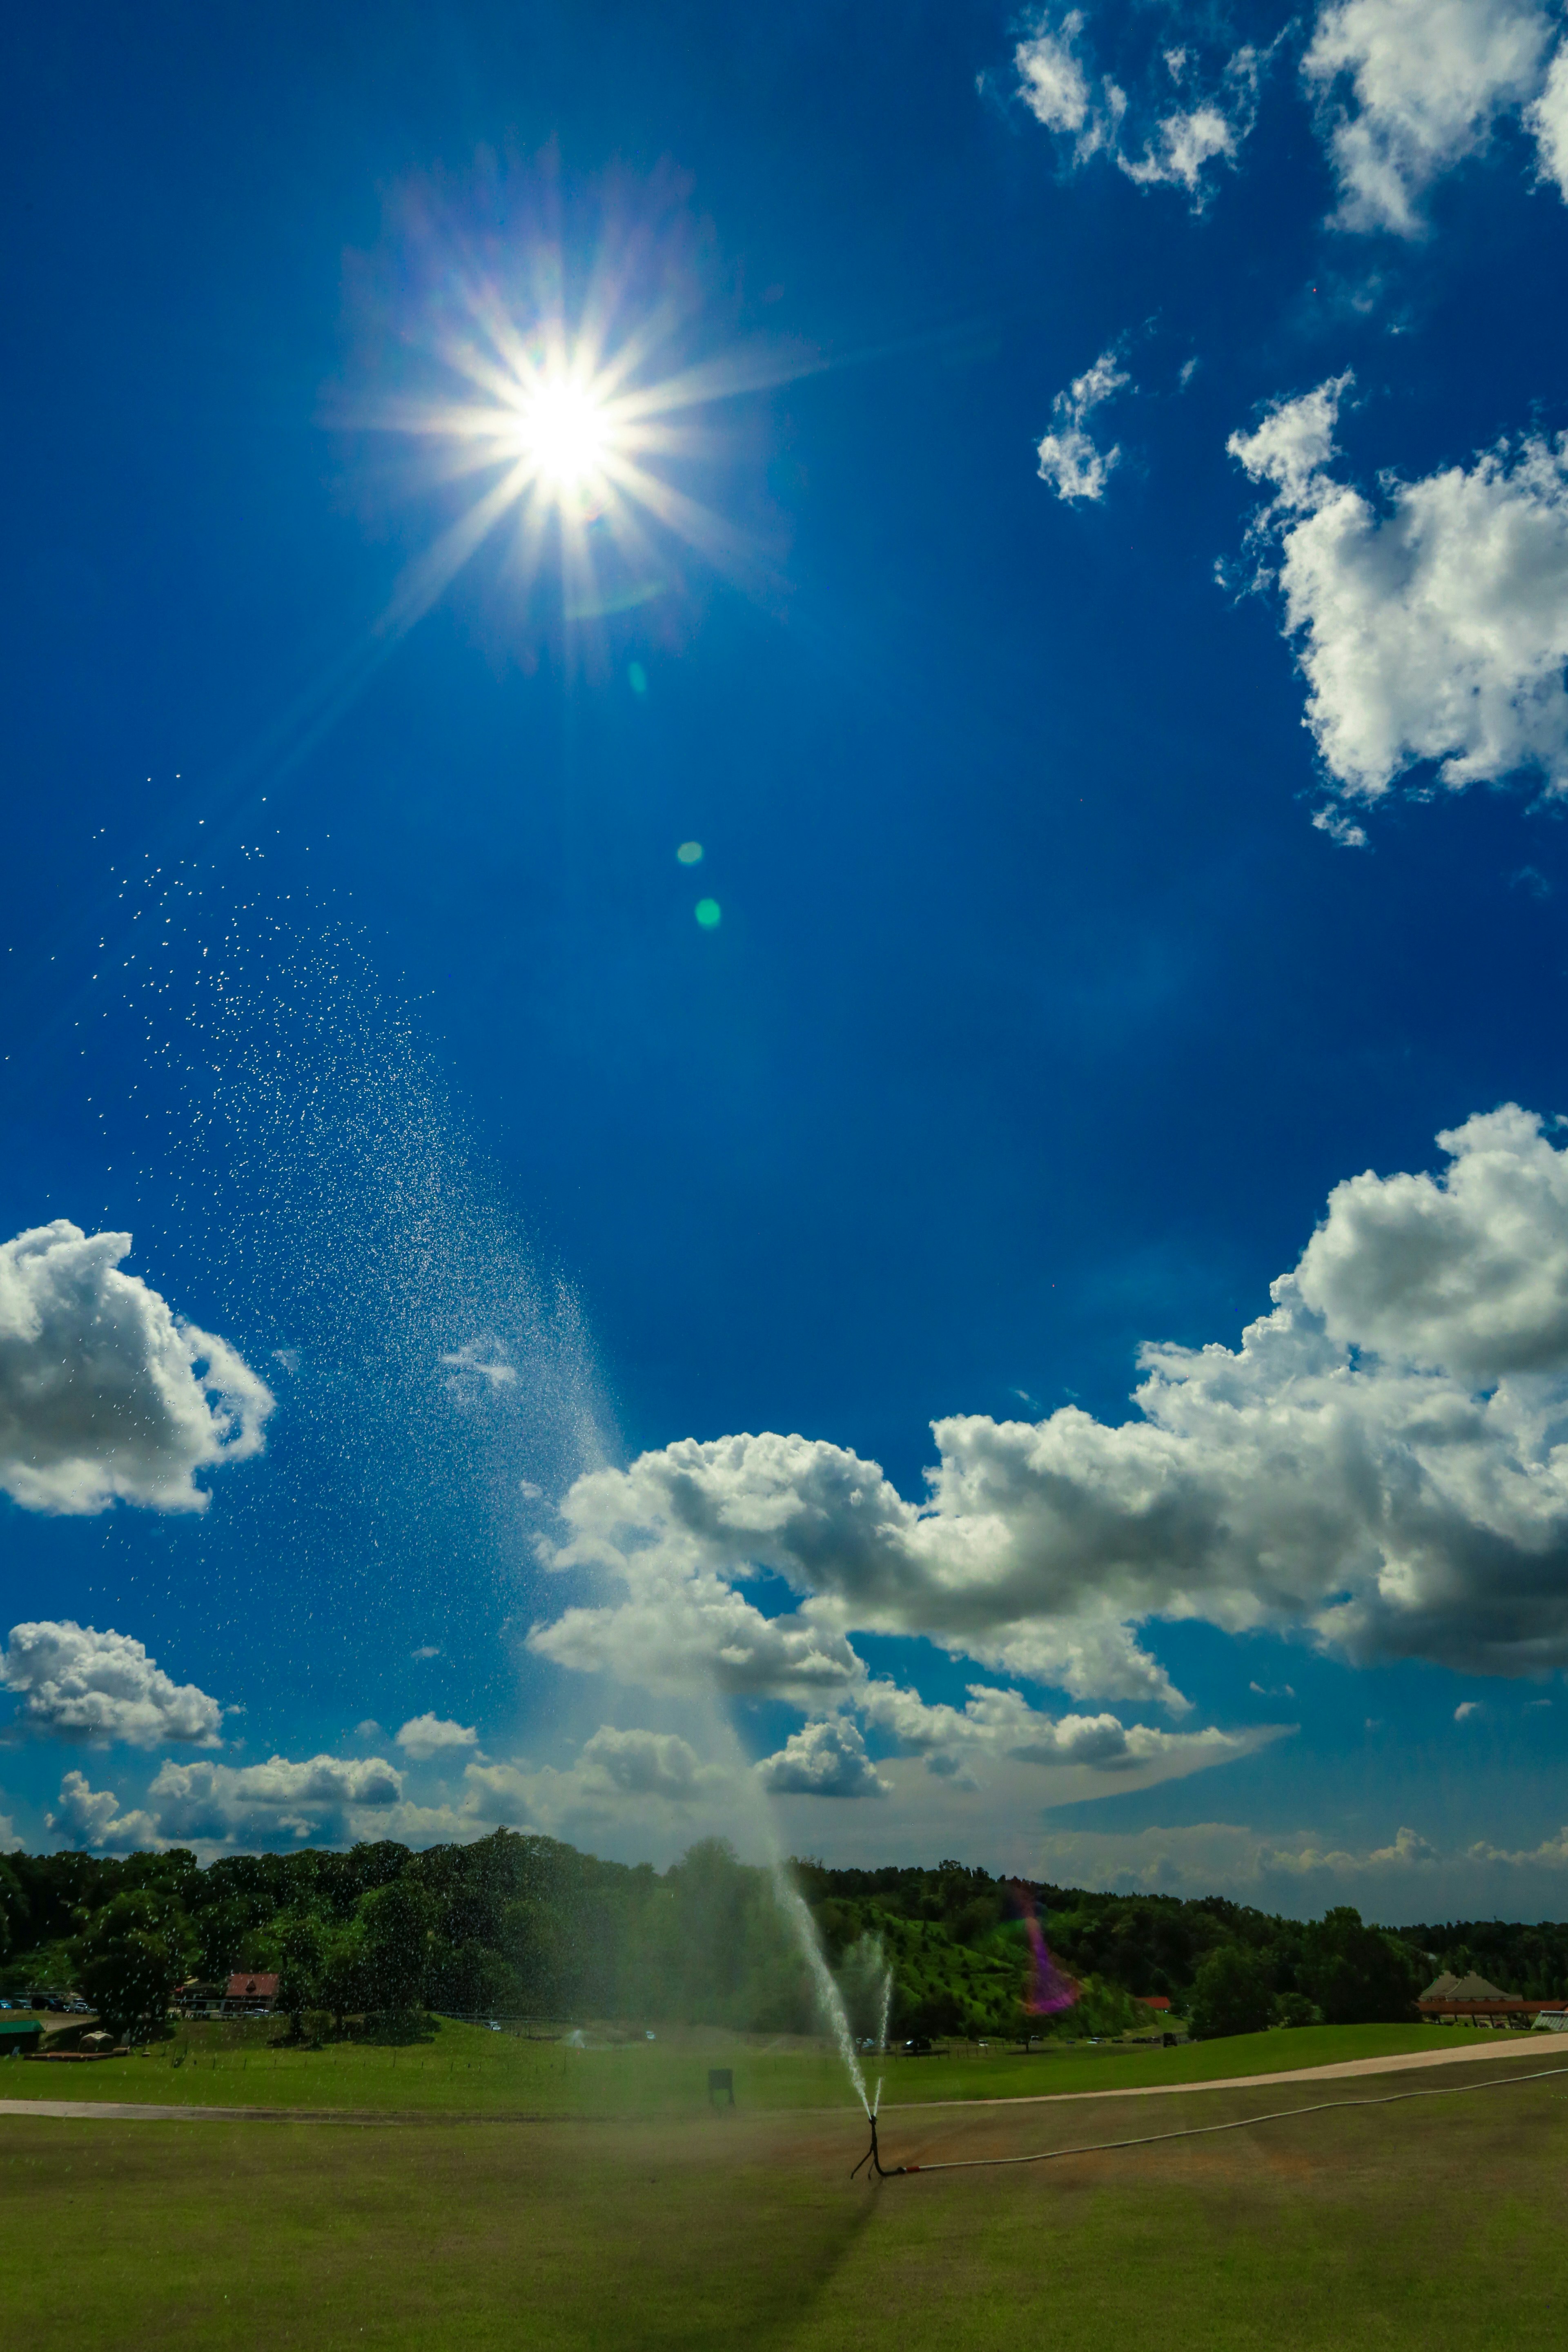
x: 1194, y: 2131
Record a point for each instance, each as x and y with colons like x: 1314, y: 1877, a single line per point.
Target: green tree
x: 299, y: 1944
x: 1231, y: 1994
x: 129, y: 1957
x: 14, y: 1912
x: 399, y: 1929
x: 340, y: 1983
x: 1356, y: 1974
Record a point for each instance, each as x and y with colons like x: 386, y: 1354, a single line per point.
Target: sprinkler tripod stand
x: 874, y: 2158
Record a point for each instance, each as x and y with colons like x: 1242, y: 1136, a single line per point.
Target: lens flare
x: 1051, y: 1989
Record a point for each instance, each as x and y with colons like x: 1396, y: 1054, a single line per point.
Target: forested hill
x: 527, y: 1926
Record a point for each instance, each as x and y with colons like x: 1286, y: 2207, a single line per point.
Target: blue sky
x: 1116, y: 682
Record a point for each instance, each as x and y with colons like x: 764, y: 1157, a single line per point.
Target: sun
x: 571, y: 415
x: 565, y: 432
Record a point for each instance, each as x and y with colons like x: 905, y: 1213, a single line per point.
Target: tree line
x: 522, y: 1925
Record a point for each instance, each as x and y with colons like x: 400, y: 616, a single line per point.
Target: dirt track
x: 1534, y: 2045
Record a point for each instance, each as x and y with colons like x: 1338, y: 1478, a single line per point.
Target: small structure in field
x: 19, y: 2034
x: 249, y: 1996
x: 720, y: 2084
x: 1471, y: 2000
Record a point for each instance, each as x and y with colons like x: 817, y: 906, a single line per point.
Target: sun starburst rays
x: 580, y: 433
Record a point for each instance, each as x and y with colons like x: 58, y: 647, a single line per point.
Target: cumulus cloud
x: 1410, y: 88
x: 326, y: 1798
x: 646, y: 1764
x: 1069, y: 460
x: 826, y: 1759
x: 1001, y: 1723
x: 684, y: 1628
x: 1054, y: 84
x: 1184, y: 129
x: 103, y: 1396
x: 1433, y: 630
x: 652, y: 1778
x: 1301, y: 1872
x: 75, y: 1682
x: 91, y: 1817
x: 1548, y: 119
x: 425, y: 1735
x: 1380, y: 1467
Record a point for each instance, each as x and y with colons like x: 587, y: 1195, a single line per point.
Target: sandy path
x: 1537, y: 2046
x: 1532, y: 2045
x: 125, y: 2111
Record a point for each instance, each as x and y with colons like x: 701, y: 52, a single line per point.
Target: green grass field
x: 465, y: 2068
x: 1434, y: 2221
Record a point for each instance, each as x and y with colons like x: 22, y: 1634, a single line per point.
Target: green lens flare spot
x: 708, y: 913
x: 637, y: 677
x: 691, y: 852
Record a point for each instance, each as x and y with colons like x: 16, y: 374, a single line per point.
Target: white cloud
x: 1436, y: 630
x: 1301, y: 1871
x: 1069, y: 460
x: 1380, y: 1466
x: 103, y: 1396
x: 1052, y: 81
x: 1469, y: 1270
x: 91, y: 1817
x: 330, y: 1799
x: 10, y: 1843
x: 1466, y: 1708
x: 646, y: 1764
x: 1001, y: 1723
x: 1182, y: 147
x: 1293, y: 444
x: 826, y: 1759
x: 682, y: 1630
x: 75, y: 1682
x: 652, y: 1781
x: 1548, y: 119
x: 1419, y: 86
x: 425, y: 1735
x: 1090, y: 113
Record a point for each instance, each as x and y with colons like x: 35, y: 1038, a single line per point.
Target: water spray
x: 793, y: 1904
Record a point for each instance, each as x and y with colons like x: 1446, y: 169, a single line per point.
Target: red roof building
x: 1151, y: 1999
x: 249, y: 1994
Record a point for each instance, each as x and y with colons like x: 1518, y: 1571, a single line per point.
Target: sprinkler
x: 873, y: 2156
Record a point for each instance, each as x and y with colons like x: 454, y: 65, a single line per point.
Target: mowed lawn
x: 1433, y: 2220
x: 465, y: 2068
